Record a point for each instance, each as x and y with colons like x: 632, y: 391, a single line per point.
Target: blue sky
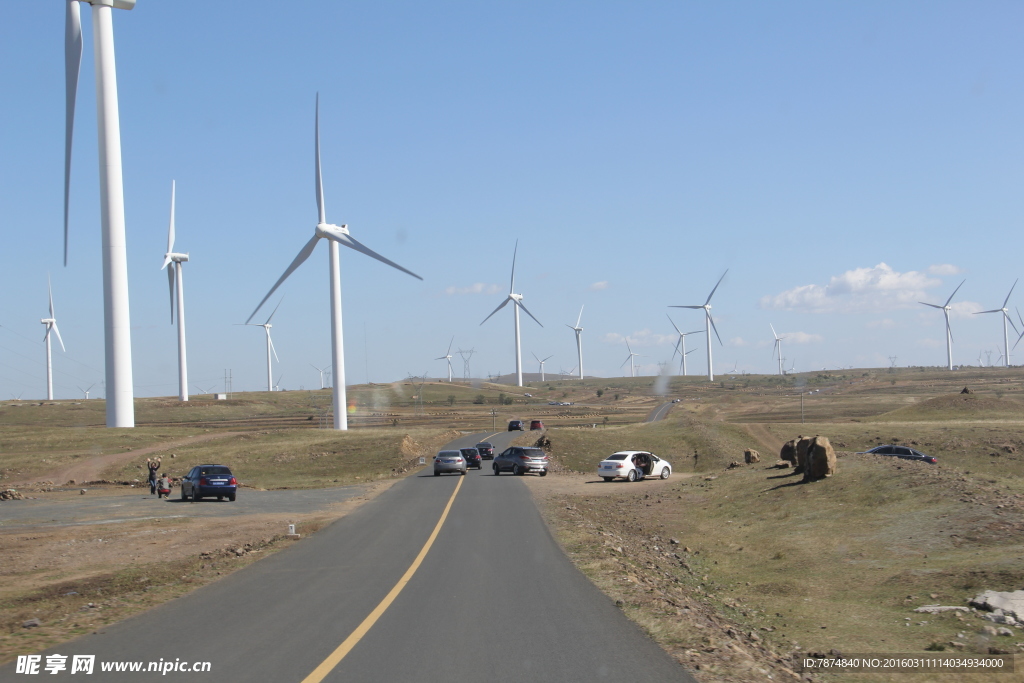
x: 842, y: 161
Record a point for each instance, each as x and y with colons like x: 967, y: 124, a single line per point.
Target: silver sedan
x: 449, y: 461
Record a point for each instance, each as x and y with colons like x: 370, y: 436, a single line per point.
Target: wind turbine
x: 945, y: 308
x: 51, y: 325
x: 86, y: 390
x: 277, y: 384
x: 517, y: 300
x: 579, y: 343
x: 448, y: 357
x: 1006, y: 318
x: 777, y: 347
x: 1021, y: 335
x: 709, y: 324
x: 116, y: 318
x: 680, y: 347
x: 321, y: 371
x: 629, y: 359
x: 205, y: 391
x: 335, y: 235
x: 270, y: 343
x: 177, y: 289
x: 542, y: 364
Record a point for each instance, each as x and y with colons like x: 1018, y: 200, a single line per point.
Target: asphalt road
x: 494, y: 599
x: 660, y: 412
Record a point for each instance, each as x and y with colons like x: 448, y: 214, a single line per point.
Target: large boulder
x: 788, y: 452
x: 751, y: 456
x: 1011, y: 603
x: 821, y: 459
x: 802, y: 443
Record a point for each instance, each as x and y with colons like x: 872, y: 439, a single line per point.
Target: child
x: 163, y: 486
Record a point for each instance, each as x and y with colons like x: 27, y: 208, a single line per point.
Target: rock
x: 733, y: 465
x: 989, y: 630
x: 956, y: 644
x: 82, y: 492
x: 935, y: 609
x: 802, y: 443
x: 1003, y: 631
x: 674, y: 541
x: 783, y: 464
x: 751, y: 456
x: 966, y: 390
x: 31, y: 623
x: 821, y: 459
x: 788, y: 452
x: 1011, y: 603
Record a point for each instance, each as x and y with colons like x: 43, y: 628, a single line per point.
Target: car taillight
x: 233, y: 482
x: 620, y: 466
x: 202, y: 481
x: 524, y: 456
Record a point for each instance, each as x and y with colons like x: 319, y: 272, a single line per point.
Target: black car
x: 519, y: 460
x: 472, y: 457
x: 904, y: 452
x: 486, y: 449
x: 209, y: 480
x: 516, y: 426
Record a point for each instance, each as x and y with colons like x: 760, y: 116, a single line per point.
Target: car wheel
x: 196, y: 496
x: 665, y: 472
x: 231, y: 497
x: 516, y: 470
x: 544, y: 473
x: 631, y: 476
x: 436, y: 473
x: 462, y: 472
x: 183, y: 496
x: 497, y: 470
x: 220, y: 499
x: 608, y: 478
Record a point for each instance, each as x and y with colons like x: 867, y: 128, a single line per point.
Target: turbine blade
x: 954, y: 292
x: 694, y: 332
x: 1010, y: 320
x: 774, y: 334
x: 675, y: 349
x: 500, y: 306
x: 520, y: 304
x: 57, y: 330
x: 353, y: 243
x: 580, y: 317
x: 449, y: 351
x: 1011, y: 292
x: 548, y: 358
x: 271, y: 342
x: 321, y: 210
x: 994, y: 310
x: 949, y: 330
x: 170, y: 227
x: 686, y: 307
x: 628, y: 358
x: 303, y: 255
x: 932, y: 305
x: 535, y: 356
x: 712, y: 320
x: 49, y: 291
x: 72, y: 67
x: 170, y: 286
x: 274, y: 311
x: 716, y: 287
x: 512, y: 284
x: 673, y: 323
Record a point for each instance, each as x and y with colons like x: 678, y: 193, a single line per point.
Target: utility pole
x: 801, y: 406
x: 493, y: 414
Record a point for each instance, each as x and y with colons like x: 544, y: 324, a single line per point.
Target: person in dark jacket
x: 154, y: 466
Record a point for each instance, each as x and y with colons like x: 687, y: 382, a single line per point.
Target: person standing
x: 154, y: 466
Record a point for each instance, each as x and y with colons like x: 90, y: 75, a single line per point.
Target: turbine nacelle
x: 172, y: 257
x: 327, y: 230
x: 116, y: 4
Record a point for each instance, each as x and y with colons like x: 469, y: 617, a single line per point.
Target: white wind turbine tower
x: 680, y: 347
x: 177, y: 290
x: 542, y: 362
x: 1006, y: 318
x: 579, y: 343
x: 270, y: 344
x: 448, y: 357
x: 777, y: 347
x: 335, y: 235
x: 517, y: 300
x: 116, y: 319
x: 629, y: 359
x: 709, y: 324
x: 51, y: 325
x: 945, y: 308
x: 321, y: 371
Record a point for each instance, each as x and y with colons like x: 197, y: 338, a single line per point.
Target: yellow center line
x: 335, y: 657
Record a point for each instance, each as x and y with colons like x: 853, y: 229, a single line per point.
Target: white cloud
x: 801, y: 337
x: 861, y: 289
x: 883, y: 324
x: 598, y: 286
x: 477, y: 288
x: 964, y: 309
x: 642, y: 338
x: 944, y: 269
x: 737, y: 341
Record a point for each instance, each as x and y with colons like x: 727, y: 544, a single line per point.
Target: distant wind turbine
x: 335, y: 235
x: 517, y: 301
x: 542, y: 361
x: 777, y: 347
x: 945, y: 308
x: 1006, y: 319
x: 176, y: 285
x: 116, y: 318
x: 448, y: 357
x: 51, y: 326
x: 680, y: 347
x: 270, y: 345
x: 321, y: 371
x: 629, y: 359
x: 709, y: 324
x: 579, y: 343
x: 86, y: 390
x: 205, y: 391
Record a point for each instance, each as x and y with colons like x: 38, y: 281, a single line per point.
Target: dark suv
x: 472, y: 457
x: 516, y: 426
x: 519, y: 460
x: 486, y: 449
x: 209, y: 480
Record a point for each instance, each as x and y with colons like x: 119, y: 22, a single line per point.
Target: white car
x: 633, y: 466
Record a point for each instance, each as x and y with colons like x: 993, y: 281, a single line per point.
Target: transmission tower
x: 466, y: 355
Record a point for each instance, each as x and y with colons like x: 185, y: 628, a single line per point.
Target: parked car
x: 519, y: 460
x: 904, y: 452
x: 449, y: 461
x: 486, y: 449
x: 516, y: 425
x: 536, y: 424
x: 633, y: 466
x: 554, y: 403
x: 472, y: 457
x: 209, y: 480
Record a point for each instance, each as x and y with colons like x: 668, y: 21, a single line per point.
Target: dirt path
x: 92, y: 468
x: 765, y: 439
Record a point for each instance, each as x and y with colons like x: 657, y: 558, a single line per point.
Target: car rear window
x: 484, y: 445
x: 618, y: 456
x: 219, y: 469
x: 449, y: 454
x: 470, y: 451
x: 533, y: 452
